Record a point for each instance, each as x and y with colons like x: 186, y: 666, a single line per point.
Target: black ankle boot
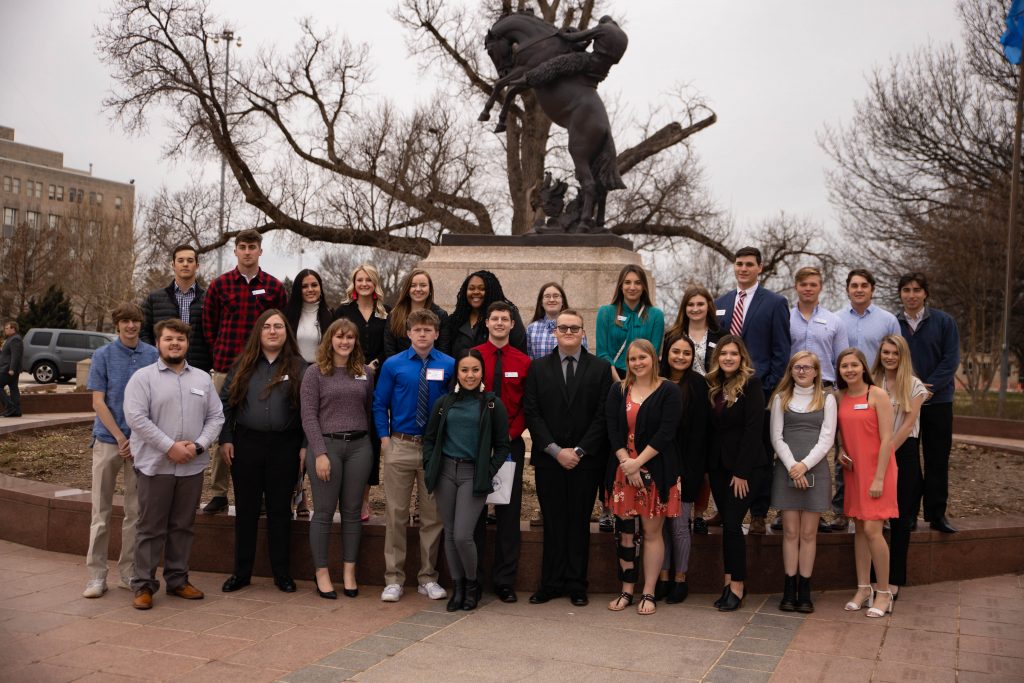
x: 473, y: 592
x: 788, y: 602
x: 662, y: 588
x: 720, y: 600
x: 803, y: 600
x: 458, y: 597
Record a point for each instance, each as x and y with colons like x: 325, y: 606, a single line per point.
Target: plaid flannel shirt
x: 231, y: 308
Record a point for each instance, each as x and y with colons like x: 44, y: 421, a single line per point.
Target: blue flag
x: 1011, y: 40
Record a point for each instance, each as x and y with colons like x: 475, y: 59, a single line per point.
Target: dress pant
x: 936, y: 443
x: 761, y: 495
x: 733, y: 509
x: 460, y: 509
x: 106, y: 463
x: 13, y: 403
x: 350, y: 469
x: 402, y: 467
x: 566, y: 500
x: 220, y: 473
x: 265, y: 465
x: 507, y: 532
x: 167, y: 512
x: 908, y: 493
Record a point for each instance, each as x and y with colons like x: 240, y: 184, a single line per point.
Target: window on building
x: 52, y: 192
x: 60, y: 193
x: 99, y: 197
x: 92, y: 197
x: 16, y: 185
x: 53, y: 220
x: 29, y: 186
x: 10, y: 216
x: 118, y: 202
x: 81, y: 196
x: 32, y: 219
x: 7, y: 183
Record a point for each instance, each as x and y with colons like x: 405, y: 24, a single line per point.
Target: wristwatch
x: 200, y: 449
x: 579, y: 451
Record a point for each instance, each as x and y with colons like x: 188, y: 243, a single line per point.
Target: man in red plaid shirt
x: 233, y: 303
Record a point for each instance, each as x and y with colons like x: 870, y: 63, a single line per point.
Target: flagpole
x: 1004, y: 371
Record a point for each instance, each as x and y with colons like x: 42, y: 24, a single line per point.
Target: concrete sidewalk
x: 956, y: 631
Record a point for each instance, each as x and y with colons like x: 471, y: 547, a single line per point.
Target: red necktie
x: 736, y: 328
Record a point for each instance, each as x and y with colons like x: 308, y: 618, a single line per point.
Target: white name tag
x: 362, y: 377
x: 712, y: 345
x: 720, y: 311
x: 435, y: 374
x: 512, y: 374
x: 860, y: 406
x: 285, y: 378
x: 623, y: 318
x: 257, y: 292
x: 198, y: 392
x: 821, y: 321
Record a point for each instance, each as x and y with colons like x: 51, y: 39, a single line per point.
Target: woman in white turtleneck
x: 803, y: 428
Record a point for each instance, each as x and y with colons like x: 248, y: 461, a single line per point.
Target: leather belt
x: 412, y: 438
x: 346, y: 436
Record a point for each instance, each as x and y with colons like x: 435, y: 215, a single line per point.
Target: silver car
x: 51, y: 354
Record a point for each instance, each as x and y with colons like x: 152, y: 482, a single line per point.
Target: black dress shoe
x: 506, y: 594
x: 216, y: 504
x: 700, y: 526
x: 678, y: 593
x: 913, y: 525
x: 542, y: 596
x: 661, y: 589
x: 721, y: 598
x: 823, y: 527
x: 285, y: 584
x: 579, y: 599
x: 942, y: 524
x: 732, y: 602
x: 234, y: 583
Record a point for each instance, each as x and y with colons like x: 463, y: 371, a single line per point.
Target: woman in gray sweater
x: 337, y: 398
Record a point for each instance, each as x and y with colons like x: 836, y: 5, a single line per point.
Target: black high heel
x: 721, y: 599
x: 732, y: 601
x: 328, y: 595
x: 350, y: 592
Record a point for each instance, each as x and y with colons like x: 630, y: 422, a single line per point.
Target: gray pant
x: 351, y: 462
x: 167, y: 511
x: 676, y: 532
x: 460, y: 509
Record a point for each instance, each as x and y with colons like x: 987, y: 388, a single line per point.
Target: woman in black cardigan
x: 679, y: 367
x: 643, y: 481
x: 737, y: 462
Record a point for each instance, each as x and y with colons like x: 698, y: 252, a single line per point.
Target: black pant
x: 908, y: 493
x: 507, y: 532
x: 265, y: 464
x: 936, y: 443
x: 761, y: 495
x: 566, y: 500
x: 13, y: 403
x: 733, y: 509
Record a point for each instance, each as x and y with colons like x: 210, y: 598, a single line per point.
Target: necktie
x: 570, y: 372
x: 422, y: 398
x: 736, y: 328
x: 496, y: 382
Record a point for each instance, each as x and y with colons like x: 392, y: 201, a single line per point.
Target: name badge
x: 860, y: 406
x: 285, y: 378
x: 435, y: 374
x: 198, y: 392
x: 712, y: 345
x: 363, y: 377
x: 257, y: 292
x: 511, y: 374
x: 623, y: 318
x: 821, y: 321
x: 720, y: 311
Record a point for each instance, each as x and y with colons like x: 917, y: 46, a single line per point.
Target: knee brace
x: 625, y: 554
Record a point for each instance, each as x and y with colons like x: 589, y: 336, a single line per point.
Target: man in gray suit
x: 10, y: 368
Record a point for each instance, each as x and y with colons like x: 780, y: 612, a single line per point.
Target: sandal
x: 616, y: 604
x: 302, y: 513
x: 853, y: 605
x: 647, y: 598
x: 876, y: 612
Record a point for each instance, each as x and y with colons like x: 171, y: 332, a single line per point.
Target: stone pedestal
x: 586, y: 266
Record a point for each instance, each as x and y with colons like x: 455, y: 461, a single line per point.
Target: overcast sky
x: 775, y: 73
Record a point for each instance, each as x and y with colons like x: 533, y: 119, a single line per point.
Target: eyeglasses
x: 552, y: 297
x: 570, y: 329
x: 277, y: 327
x: 803, y: 368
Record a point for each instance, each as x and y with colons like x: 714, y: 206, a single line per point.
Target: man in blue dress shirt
x: 407, y: 387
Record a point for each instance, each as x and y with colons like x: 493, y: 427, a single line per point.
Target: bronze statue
x: 530, y: 53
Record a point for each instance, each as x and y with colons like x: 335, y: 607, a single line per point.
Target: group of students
x: 650, y: 424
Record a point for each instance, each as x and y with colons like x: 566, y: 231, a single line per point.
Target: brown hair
x: 538, y: 311
x: 806, y: 272
x: 396, y: 321
x: 174, y: 325
x: 682, y: 324
x: 13, y: 324
x: 645, y: 297
x: 355, y: 365
x: 287, y: 366
x: 731, y: 388
x: 249, y: 237
x: 126, y: 311
x: 423, y: 316
x: 852, y: 351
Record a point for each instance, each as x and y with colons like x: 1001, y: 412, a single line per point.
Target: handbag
x: 502, y: 483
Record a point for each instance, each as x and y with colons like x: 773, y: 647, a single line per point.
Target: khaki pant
x: 106, y: 463
x: 403, y: 466
x: 219, y: 472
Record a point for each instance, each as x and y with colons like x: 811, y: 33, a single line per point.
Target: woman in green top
x: 630, y: 316
x: 465, y: 443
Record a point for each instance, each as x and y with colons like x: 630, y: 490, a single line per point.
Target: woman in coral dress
x: 865, y: 430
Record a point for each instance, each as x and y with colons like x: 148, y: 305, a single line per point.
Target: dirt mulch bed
x: 981, y: 481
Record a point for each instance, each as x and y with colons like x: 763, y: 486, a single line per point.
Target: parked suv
x: 51, y: 355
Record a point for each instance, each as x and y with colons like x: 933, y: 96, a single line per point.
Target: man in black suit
x: 564, y: 407
x: 761, y: 318
x: 10, y: 368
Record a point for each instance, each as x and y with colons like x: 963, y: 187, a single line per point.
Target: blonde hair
x: 731, y: 388
x: 904, y: 384
x: 378, y: 293
x: 630, y: 378
x: 785, y: 389
x: 325, y: 351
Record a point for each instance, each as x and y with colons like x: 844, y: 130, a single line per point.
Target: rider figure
x: 609, y: 45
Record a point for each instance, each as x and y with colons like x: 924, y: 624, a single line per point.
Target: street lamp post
x: 227, y: 36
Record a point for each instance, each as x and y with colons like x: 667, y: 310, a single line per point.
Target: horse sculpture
x: 522, y: 47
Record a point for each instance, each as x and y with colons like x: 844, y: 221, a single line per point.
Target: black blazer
x: 371, y: 332
x: 656, y: 426
x: 736, y: 444
x: 692, y: 436
x: 466, y: 337
x: 568, y: 416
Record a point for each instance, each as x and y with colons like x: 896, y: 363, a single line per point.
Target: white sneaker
x: 392, y: 592
x: 433, y: 590
x: 95, y: 588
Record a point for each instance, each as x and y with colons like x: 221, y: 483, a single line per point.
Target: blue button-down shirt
x: 823, y: 334
x: 866, y: 331
x: 394, y: 399
x: 112, y: 366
